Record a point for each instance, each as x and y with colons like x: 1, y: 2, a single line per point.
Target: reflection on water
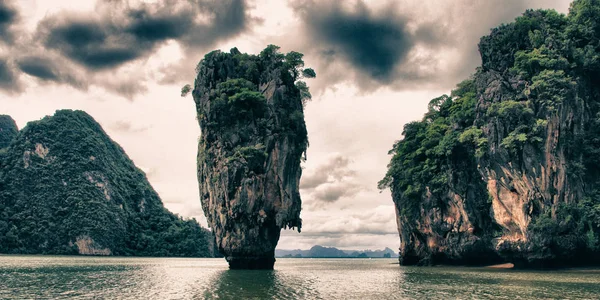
x: 54, y: 277
x: 483, y: 283
x: 258, y: 284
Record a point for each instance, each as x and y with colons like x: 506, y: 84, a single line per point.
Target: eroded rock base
x: 251, y: 263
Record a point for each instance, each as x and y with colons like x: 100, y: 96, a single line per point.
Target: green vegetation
x: 238, y: 106
x: 63, y: 180
x: 253, y: 157
x: 539, y: 74
x: 237, y: 101
x: 185, y: 90
x: 8, y: 130
x: 436, y: 149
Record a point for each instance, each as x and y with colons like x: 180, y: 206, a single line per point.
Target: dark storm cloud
x: 93, y: 45
x: 8, y: 17
x: 375, y: 43
x: 121, y: 34
x: 50, y: 70
x: 9, y: 80
x: 38, y: 67
x: 402, y: 44
x: 146, y: 26
x: 228, y: 18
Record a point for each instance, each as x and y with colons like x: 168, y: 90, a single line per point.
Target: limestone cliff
x: 67, y: 188
x: 506, y: 167
x: 250, y: 111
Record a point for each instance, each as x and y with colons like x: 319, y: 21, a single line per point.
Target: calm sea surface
x: 57, y: 277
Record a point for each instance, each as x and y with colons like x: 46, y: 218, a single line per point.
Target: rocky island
x: 507, y: 167
x: 250, y: 111
x: 67, y: 188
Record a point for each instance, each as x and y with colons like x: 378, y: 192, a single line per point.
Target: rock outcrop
x: 67, y: 188
x: 250, y: 111
x: 507, y: 167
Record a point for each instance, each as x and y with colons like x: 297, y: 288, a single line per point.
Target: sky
x: 378, y: 64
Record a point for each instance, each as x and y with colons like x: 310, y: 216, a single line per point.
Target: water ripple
x: 60, y: 277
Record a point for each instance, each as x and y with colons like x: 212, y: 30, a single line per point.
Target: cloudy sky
x: 378, y: 64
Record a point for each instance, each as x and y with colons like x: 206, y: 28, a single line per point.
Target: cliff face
x: 67, y: 188
x: 253, y: 138
x: 536, y: 187
x: 506, y: 167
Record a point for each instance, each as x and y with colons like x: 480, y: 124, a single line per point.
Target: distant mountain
x: 320, y: 251
x: 67, y: 188
x: 332, y: 252
x: 387, y: 252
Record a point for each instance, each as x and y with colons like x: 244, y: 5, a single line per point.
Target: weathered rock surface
x: 506, y: 169
x: 253, y: 138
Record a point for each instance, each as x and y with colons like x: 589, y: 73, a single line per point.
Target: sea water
x: 76, y: 277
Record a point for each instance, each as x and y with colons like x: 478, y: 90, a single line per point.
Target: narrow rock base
x: 251, y: 263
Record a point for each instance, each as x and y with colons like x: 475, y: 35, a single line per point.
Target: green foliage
x: 309, y: 73
x: 551, y: 88
x: 498, y: 50
x: 584, y: 25
x: 234, y: 86
x: 294, y: 63
x: 272, y: 53
x: 566, y: 232
x: 529, y: 63
x: 304, y: 93
x: 515, y: 140
x: 474, y: 136
x: 519, y: 122
x: 8, y: 130
x: 236, y: 102
x: 434, y: 149
x: 239, y: 110
x: 63, y: 178
x: 511, y: 112
x: 253, y: 157
x: 185, y: 90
